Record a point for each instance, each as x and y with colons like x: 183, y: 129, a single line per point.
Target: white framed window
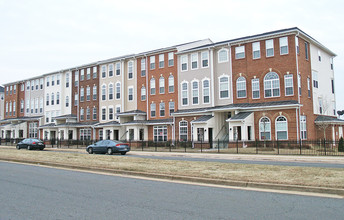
x: 143, y: 67
x: 48, y: 81
x: 47, y: 99
x: 160, y: 133
x: 224, y: 87
x: 76, y: 99
x: 309, y: 87
x: 161, y: 61
x: 334, y: 108
x: 82, y: 74
x: 194, y: 61
x: 183, y: 131
x: 76, y: 78
x: 171, y: 59
x: 118, y: 90
x: 297, y: 45
x: 185, y: 93
x: 265, y: 128
x: 271, y: 85
x: 47, y: 117
x: 315, y: 79
x: 152, y: 86
x: 111, y: 113
x: 52, y: 99
x: 205, y: 59
x: 118, y: 110
x: 52, y: 82
x: 94, y: 113
x: 195, y: 92
x: 331, y: 63
x: 103, y: 71
x: 255, y: 89
x: 67, y: 101
x: 283, y: 41
x: 41, y: 83
x: 67, y: 80
x: 118, y: 69
x: 171, y: 107
x: 306, y: 51
x: 88, y: 76
x: 281, y: 126
x: 206, y: 91
x: 223, y: 55
x: 41, y: 102
x: 88, y: 113
x: 299, y: 82
x: 103, y: 92
x: 130, y: 93
x: 103, y: 113
x: 94, y: 92
x: 130, y: 70
x: 303, y: 126
x: 82, y: 94
x: 82, y: 114
x: 152, y: 62
x: 22, y: 106
x: 241, y: 87
x: 240, y: 52
x: 162, y: 109
x: 256, y: 50
x: 85, y: 134
x: 110, y: 91
x: 161, y: 85
x: 269, y: 45
x: 111, y: 70
x: 171, y: 84
x: 37, y: 83
x: 14, y: 108
x: 153, y: 110
x: 95, y: 72
x: 184, y: 62
x: 288, y: 84
x: 27, y: 86
x: 143, y: 93
x: 320, y: 106
x: 57, y: 98
x: 88, y: 93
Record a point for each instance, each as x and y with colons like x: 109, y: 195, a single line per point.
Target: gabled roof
x: 202, y: 119
x: 240, y: 116
x: 111, y: 123
x: 328, y: 119
x: 133, y: 112
x: 65, y: 116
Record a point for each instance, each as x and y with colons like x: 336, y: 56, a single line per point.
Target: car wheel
x: 123, y: 153
x: 18, y: 147
x: 90, y: 150
x: 29, y: 147
x: 109, y: 151
x: 41, y: 148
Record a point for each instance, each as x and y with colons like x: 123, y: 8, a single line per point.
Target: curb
x: 247, y: 184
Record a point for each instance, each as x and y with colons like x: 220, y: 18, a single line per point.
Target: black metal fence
x: 290, y: 147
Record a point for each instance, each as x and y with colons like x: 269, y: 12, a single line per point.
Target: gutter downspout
x: 147, y: 96
x: 298, y: 115
x: 212, y: 77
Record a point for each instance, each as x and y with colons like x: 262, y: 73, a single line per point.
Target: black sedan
x: 31, y: 144
x: 109, y: 147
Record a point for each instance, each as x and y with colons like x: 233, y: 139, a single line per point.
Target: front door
x: 70, y: 135
x: 237, y: 133
x: 115, y: 135
x: 210, y: 135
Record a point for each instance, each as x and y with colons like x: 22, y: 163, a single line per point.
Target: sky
x: 43, y: 36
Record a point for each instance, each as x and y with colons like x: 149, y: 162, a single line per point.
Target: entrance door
x: 70, y: 135
x: 237, y: 133
x: 142, y: 133
x: 200, y: 134
x: 115, y: 135
x: 210, y: 135
x: 249, y: 135
x: 21, y: 133
x: 53, y: 137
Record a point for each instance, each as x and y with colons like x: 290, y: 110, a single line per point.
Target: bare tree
x: 325, y: 124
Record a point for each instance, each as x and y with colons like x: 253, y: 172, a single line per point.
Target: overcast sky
x: 42, y: 36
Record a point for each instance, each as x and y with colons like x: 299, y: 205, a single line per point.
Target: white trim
x: 266, y: 47
x: 219, y: 78
x: 283, y: 45
x: 260, y: 137
x: 204, y: 79
x: 218, y: 55
x: 132, y: 69
x: 292, y: 82
x: 286, y: 120
x: 256, y: 79
x: 187, y: 93
x: 181, y: 63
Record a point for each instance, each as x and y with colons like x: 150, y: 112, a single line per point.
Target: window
x: 256, y: 50
x: 303, y: 125
x: 130, y: 69
x: 183, y: 131
x: 299, y: 82
x: 67, y: 101
x: 41, y: 83
x: 161, y: 61
x: 37, y: 83
x: 47, y: 83
x: 57, y: 98
x: 76, y: 78
x: 27, y: 86
x: 118, y: 90
x: 206, y: 91
x: 288, y: 84
x: 255, y: 89
x: 103, y: 71
x: 283, y: 41
x: 315, y: 79
x: 11, y: 90
x: 297, y: 45
x: 265, y: 128
x: 162, y: 109
x: 14, y: 108
x: 194, y: 61
x: 160, y: 133
x: 184, y: 62
x: 32, y: 106
x: 309, y: 87
x: 195, y: 92
x: 88, y: 114
x: 28, y: 104
x: 111, y: 70
x: 110, y: 91
x: 11, y: 107
x: 104, y: 92
x: 320, y: 106
x: 223, y: 54
x: 224, y: 87
x: 143, y: 67
x: 33, y: 130
x: 170, y: 59
x: 118, y: 69
x: 153, y: 109
x: 82, y: 75
x: 161, y: 85
x: 82, y: 114
x: 52, y: 82
x: 271, y: 85
x: 269, y: 44
x: 118, y: 110
x: 94, y: 92
x: 103, y: 114
x: 241, y: 87
x: 185, y: 93
x: 281, y: 128
x: 319, y: 55
x: 171, y: 107
x: 152, y: 62
x: 67, y: 80
x: 47, y: 99
x: 205, y: 59
x: 130, y: 93
x: 88, y: 93
x: 306, y: 50
x: 52, y: 98
x: 76, y: 99
x: 22, y: 106
x: 332, y: 85
x: 111, y: 113
x: 239, y: 53
x: 100, y: 134
x: 6, y: 108
x: 331, y: 61
x: 41, y: 105
x: 152, y: 86
x: 85, y: 134
x: 334, y: 108
x: 94, y: 113
x: 143, y: 93
x: 95, y: 72
x: 171, y: 83
x: 47, y: 117
x: 82, y: 94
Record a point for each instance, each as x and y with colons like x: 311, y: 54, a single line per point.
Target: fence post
x: 325, y: 146
x: 201, y: 145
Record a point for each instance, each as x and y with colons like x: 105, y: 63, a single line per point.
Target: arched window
x: 185, y: 93
x: 171, y: 83
x: 57, y: 98
x: 271, y: 85
x: 223, y: 55
x: 103, y: 92
x: 143, y: 93
x: 281, y: 125
x: 47, y: 99
x: 152, y: 86
x: 241, y: 87
x: 162, y: 85
x: 110, y: 91
x: 52, y: 98
x: 183, y: 131
x: 118, y: 90
x: 265, y: 128
x: 67, y: 101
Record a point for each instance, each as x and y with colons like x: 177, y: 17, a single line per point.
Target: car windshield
x: 35, y: 140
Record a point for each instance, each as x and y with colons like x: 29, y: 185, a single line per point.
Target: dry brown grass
x: 303, y: 176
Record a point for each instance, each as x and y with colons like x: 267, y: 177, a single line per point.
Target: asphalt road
x: 31, y: 192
